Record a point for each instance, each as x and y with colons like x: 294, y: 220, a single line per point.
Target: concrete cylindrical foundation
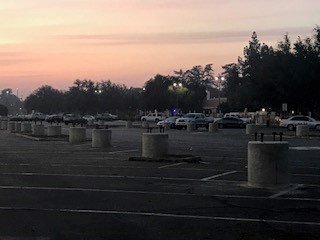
x: 268, y: 164
x: 128, y: 124
x: 77, y: 134
x: 302, y: 130
x: 154, y: 145
x: 144, y: 124
x: 17, y: 127
x: 252, y: 128
x: 26, y: 127
x: 4, y: 125
x: 213, y: 127
x: 191, y: 127
x: 101, y: 138
x: 38, y: 130
x: 54, y: 131
x: 11, y: 126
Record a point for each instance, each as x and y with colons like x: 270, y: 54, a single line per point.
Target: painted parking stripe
x: 286, y: 191
x: 173, y: 165
x: 154, y: 193
x: 305, y: 148
x: 164, y: 215
x: 218, y: 175
x: 124, y: 151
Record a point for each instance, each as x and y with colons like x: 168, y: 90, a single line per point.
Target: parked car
x: 153, y: 117
x: 293, y: 121
x: 199, y: 119
x: 89, y: 118
x: 36, y: 116
x: 231, y: 122
x: 54, y: 118
x: 73, y: 119
x: 17, y: 118
x: 106, y: 117
x: 171, y: 120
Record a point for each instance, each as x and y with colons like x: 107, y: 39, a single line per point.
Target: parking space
x: 66, y: 191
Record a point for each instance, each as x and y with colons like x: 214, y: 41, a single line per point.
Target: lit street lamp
x: 219, y: 80
x: 176, y: 87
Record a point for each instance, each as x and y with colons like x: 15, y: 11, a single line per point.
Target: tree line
x: 185, y: 90
x: 266, y: 77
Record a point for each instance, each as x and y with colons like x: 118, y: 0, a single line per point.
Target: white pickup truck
x: 153, y: 117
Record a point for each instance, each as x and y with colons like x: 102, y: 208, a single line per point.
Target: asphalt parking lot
x: 55, y: 190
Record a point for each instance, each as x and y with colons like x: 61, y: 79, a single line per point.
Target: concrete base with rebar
x: 155, y: 145
x: 101, y: 138
x: 268, y: 164
x: 54, y: 131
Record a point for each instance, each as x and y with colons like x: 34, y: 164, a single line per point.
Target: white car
x: 170, y: 120
x: 293, y: 121
x: 199, y: 119
x: 153, y: 117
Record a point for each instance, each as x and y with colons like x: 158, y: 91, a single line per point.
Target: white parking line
x: 155, y: 193
x: 173, y: 165
x: 124, y: 151
x: 166, y: 215
x: 286, y: 191
x: 218, y: 175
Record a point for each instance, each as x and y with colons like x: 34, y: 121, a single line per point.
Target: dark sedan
x: 231, y: 122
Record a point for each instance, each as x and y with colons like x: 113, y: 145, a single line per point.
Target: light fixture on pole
x: 219, y: 80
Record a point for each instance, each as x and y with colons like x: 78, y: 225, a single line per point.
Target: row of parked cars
x: 200, y: 120
x: 67, y: 118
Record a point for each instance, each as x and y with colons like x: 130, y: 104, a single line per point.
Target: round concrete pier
x: 155, y: 145
x: 252, y: 128
x: 302, y: 130
x: 191, y: 127
x: 17, y: 127
x: 4, y: 125
x: 268, y: 164
x: 213, y: 127
x: 38, y: 130
x: 11, y: 126
x: 144, y: 124
x: 26, y: 127
x: 101, y: 138
x: 54, y: 131
x: 128, y: 124
x: 77, y: 135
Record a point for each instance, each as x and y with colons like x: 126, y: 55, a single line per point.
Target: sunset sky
x: 54, y: 42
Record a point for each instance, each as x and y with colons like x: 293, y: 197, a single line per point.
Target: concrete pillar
x: 54, y: 131
x: 11, y: 126
x: 4, y: 125
x: 77, y: 134
x: 128, y: 124
x: 101, y: 138
x: 302, y: 130
x: 191, y: 127
x: 268, y: 164
x: 155, y: 145
x: 144, y: 124
x: 38, y: 130
x: 26, y: 127
x: 252, y: 128
x: 17, y: 127
x: 167, y: 126
x: 213, y: 127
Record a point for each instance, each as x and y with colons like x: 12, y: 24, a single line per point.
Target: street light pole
x: 219, y: 80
